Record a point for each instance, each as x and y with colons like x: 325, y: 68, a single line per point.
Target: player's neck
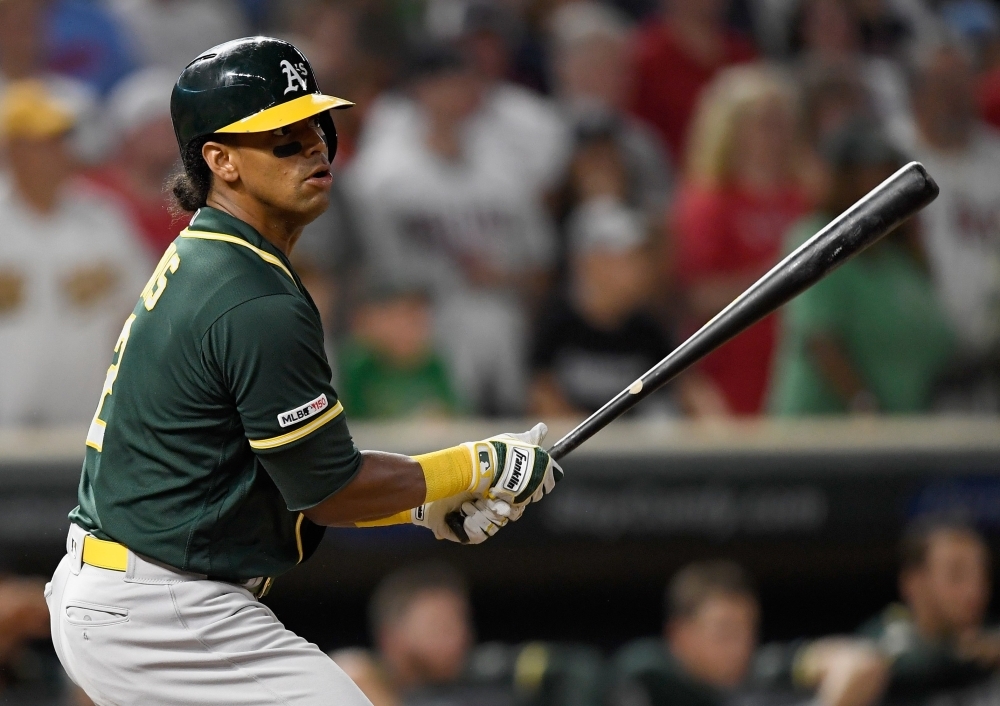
x: 277, y: 229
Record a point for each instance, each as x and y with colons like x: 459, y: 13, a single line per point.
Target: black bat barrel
x: 870, y: 219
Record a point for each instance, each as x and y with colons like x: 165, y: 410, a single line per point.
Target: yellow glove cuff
x: 400, y: 518
x: 447, y: 472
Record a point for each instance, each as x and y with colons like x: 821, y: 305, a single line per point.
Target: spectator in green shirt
x: 871, y: 336
x: 388, y: 366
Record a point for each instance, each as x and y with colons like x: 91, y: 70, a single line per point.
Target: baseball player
x: 219, y: 451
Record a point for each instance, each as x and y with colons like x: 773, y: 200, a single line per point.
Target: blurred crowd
x: 535, y: 199
x: 933, y: 647
x: 930, y: 648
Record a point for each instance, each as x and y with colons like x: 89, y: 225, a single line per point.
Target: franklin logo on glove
x: 520, y: 462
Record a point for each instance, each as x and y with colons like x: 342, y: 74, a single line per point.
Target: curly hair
x: 192, y: 182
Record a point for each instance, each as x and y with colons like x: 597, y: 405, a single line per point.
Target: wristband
x: 447, y: 472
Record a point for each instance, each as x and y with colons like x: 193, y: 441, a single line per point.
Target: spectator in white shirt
x: 524, y: 125
x: 468, y: 229
x: 70, y: 268
x: 592, y: 83
x: 512, y: 125
x: 961, y: 229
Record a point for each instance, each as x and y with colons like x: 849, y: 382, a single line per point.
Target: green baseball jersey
x: 218, y: 424
x: 645, y: 670
x: 920, y: 667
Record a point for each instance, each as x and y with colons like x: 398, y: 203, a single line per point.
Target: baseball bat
x: 863, y: 224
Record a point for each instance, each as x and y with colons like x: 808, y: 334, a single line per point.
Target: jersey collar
x: 212, y: 220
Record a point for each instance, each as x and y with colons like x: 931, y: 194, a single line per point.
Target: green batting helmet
x: 254, y: 84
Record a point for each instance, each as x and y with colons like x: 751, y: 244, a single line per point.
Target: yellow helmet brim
x: 286, y: 113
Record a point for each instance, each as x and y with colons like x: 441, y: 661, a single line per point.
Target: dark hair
x: 916, y: 542
x: 191, y: 183
x: 697, y: 582
x: 396, y: 592
x: 428, y: 59
x: 860, y: 143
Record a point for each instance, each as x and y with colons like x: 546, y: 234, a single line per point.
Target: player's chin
x: 312, y: 201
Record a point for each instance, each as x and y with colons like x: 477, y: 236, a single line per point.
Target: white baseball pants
x: 159, y: 637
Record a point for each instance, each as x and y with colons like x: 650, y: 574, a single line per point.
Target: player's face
x: 430, y: 642
x: 286, y: 169
x: 958, y: 580
x: 615, y: 283
x: 944, y: 101
x: 40, y: 166
x: 716, y: 644
x: 450, y: 97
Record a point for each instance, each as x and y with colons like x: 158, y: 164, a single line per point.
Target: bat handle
x: 456, y: 523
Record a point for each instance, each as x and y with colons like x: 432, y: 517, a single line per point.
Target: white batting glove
x: 523, y: 472
x: 510, y: 471
x: 483, y: 517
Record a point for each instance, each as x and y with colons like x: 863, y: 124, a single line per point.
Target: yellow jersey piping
x: 298, y: 535
x: 263, y: 255
x: 291, y: 436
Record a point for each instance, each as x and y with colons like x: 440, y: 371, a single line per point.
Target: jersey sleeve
x: 269, y: 355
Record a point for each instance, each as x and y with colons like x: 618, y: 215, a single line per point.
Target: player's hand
x: 483, y: 517
x: 518, y: 470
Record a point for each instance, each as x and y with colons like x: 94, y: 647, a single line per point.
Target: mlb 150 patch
x: 299, y: 414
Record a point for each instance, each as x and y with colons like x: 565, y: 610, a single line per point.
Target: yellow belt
x: 104, y: 554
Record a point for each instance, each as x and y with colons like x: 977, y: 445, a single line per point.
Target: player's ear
x: 219, y: 158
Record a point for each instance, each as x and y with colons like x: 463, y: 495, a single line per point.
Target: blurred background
x: 534, y: 201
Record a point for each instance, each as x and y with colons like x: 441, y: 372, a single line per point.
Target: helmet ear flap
x: 325, y: 121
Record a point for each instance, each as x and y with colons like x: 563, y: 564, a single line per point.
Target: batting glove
x: 515, y: 469
x: 483, y: 517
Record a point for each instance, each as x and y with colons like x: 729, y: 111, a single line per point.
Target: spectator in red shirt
x: 675, y: 58
x: 139, y: 112
x: 741, y: 193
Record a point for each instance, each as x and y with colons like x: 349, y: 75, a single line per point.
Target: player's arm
x: 843, y: 671
x: 490, y: 481
x: 386, y: 484
x: 268, y: 354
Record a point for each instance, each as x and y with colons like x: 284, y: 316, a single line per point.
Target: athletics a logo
x: 296, y: 75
